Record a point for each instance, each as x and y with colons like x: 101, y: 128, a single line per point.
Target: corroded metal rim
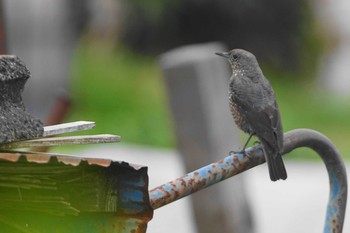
x: 38, y: 157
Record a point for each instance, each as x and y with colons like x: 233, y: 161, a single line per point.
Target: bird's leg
x: 244, y: 147
x: 246, y: 144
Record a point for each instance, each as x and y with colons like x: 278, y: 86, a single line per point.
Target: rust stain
x: 122, y: 196
x: 44, y: 158
x: 12, y: 157
x: 38, y: 158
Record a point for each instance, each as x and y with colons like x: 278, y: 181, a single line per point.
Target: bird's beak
x: 223, y: 54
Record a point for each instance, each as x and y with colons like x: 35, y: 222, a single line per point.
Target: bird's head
x: 240, y: 59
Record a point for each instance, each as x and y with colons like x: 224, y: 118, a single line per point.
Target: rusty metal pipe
x: 336, y: 172
x: 237, y: 163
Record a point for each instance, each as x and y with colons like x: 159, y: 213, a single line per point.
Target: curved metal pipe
x: 336, y: 172
x: 237, y: 163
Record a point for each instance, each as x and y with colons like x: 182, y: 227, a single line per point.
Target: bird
x: 254, y: 108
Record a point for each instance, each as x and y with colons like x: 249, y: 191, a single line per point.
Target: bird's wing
x: 267, y: 124
x: 259, y: 106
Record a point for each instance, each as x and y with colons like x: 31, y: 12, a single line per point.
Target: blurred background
x: 101, y: 61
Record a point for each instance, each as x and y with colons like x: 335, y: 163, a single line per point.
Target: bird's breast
x: 238, y: 116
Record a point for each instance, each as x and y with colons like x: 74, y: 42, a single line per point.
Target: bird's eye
x: 234, y: 57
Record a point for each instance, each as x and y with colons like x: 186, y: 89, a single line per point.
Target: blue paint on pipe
x: 239, y: 162
x: 332, y: 208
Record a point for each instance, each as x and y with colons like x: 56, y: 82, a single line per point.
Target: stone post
x: 197, y: 83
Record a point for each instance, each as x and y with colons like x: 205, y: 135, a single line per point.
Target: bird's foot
x: 240, y: 152
x: 236, y: 152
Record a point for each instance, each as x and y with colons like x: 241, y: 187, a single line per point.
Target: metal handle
x: 237, y: 163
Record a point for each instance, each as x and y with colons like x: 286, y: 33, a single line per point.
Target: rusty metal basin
x: 54, y: 193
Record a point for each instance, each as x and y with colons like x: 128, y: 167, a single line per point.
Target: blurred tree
x: 270, y: 29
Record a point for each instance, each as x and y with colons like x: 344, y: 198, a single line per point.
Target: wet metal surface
x: 237, y: 163
x: 57, y: 193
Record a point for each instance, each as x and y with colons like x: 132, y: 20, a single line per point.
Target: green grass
x: 125, y: 95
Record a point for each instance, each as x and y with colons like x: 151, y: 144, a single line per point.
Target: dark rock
x: 15, y: 123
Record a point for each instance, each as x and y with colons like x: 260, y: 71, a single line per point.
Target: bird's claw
x: 240, y: 152
x: 236, y: 152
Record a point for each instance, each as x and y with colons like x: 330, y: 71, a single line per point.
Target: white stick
x: 68, y: 128
x: 71, y: 140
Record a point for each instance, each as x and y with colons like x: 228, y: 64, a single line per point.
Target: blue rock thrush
x: 254, y: 108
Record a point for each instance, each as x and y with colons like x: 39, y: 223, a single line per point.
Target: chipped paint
x: 56, y: 193
x: 204, y: 177
x: 237, y: 163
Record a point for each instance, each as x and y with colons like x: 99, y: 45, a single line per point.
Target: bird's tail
x: 274, y: 162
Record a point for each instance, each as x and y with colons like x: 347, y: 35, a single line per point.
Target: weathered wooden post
x: 198, y: 94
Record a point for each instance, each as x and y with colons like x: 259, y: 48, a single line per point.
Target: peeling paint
x: 48, y: 193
